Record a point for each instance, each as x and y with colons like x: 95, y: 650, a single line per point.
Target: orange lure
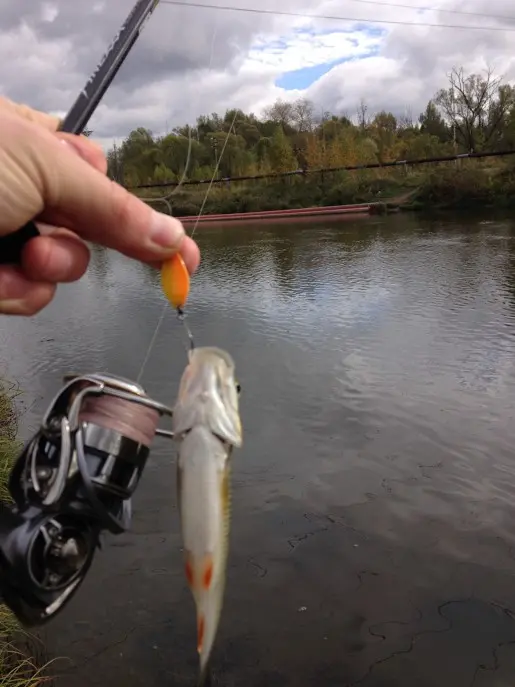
x: 175, y: 281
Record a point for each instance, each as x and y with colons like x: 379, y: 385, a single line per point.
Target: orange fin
x: 188, y: 569
x: 208, y: 572
x: 200, y: 633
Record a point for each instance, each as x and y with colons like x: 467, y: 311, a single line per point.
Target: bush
x: 465, y: 187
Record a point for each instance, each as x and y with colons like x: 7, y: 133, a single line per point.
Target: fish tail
x: 205, y: 678
x: 208, y: 617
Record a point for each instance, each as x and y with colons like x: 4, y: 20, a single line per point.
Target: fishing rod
x: 75, y: 478
x: 75, y: 121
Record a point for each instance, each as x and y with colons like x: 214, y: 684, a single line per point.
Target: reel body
x: 72, y: 481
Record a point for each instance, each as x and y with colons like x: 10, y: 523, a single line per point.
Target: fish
x: 207, y: 425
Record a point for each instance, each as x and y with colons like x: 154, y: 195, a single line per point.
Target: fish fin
x: 188, y: 569
x: 201, y: 626
x: 205, y: 677
x: 207, y: 572
x: 226, y: 501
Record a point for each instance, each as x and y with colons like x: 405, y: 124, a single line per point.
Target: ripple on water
x: 378, y: 403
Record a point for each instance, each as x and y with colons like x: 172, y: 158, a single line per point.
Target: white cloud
x: 191, y: 61
x: 303, y: 48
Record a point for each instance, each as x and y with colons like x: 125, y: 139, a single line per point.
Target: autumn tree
x: 280, y: 152
x: 314, y: 152
x: 384, y: 132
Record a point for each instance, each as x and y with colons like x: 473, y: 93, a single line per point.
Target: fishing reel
x: 73, y: 480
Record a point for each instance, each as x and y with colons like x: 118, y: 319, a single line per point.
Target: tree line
x: 472, y: 113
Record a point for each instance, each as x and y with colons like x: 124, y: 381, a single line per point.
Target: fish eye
x: 238, y: 387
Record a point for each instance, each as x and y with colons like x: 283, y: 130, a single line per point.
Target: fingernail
x: 166, y: 231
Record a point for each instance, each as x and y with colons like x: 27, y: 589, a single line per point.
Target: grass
x: 17, y: 667
x: 9, y: 444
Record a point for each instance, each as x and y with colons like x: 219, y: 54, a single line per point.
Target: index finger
x: 52, y: 123
x: 78, y: 197
x: 49, y: 122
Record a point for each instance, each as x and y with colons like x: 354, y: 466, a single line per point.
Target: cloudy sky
x: 194, y: 60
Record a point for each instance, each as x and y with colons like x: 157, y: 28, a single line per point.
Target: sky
x: 190, y: 61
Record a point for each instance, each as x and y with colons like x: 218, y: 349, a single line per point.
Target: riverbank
x: 18, y: 667
x: 442, y: 187
x: 468, y: 187
x: 335, y: 194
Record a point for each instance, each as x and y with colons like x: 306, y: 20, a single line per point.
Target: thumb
x: 45, y: 177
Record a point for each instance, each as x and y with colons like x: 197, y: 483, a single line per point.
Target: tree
x: 302, y: 115
x: 362, y: 113
x: 475, y: 106
x: 280, y: 153
x: 384, y: 132
x: 405, y: 121
x: 314, y: 153
x: 478, y: 109
x: 432, y: 123
x: 115, y: 165
x: 280, y: 112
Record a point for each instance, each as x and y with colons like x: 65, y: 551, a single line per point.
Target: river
x: 373, y: 533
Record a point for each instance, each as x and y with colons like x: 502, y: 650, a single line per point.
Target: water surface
x: 373, y: 536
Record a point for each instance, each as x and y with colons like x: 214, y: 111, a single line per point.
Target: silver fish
x: 207, y: 425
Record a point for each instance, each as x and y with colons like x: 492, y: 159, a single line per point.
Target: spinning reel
x: 73, y: 480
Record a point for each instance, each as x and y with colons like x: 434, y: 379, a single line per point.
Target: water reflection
x: 375, y: 489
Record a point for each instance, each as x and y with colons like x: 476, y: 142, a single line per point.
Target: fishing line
x: 166, y: 198
x: 181, y: 315
x: 151, y: 345
x: 215, y: 172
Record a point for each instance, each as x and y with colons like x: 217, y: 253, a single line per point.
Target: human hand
x: 61, y: 180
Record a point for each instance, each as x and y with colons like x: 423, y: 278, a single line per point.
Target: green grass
x: 17, y: 668
x: 9, y: 444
